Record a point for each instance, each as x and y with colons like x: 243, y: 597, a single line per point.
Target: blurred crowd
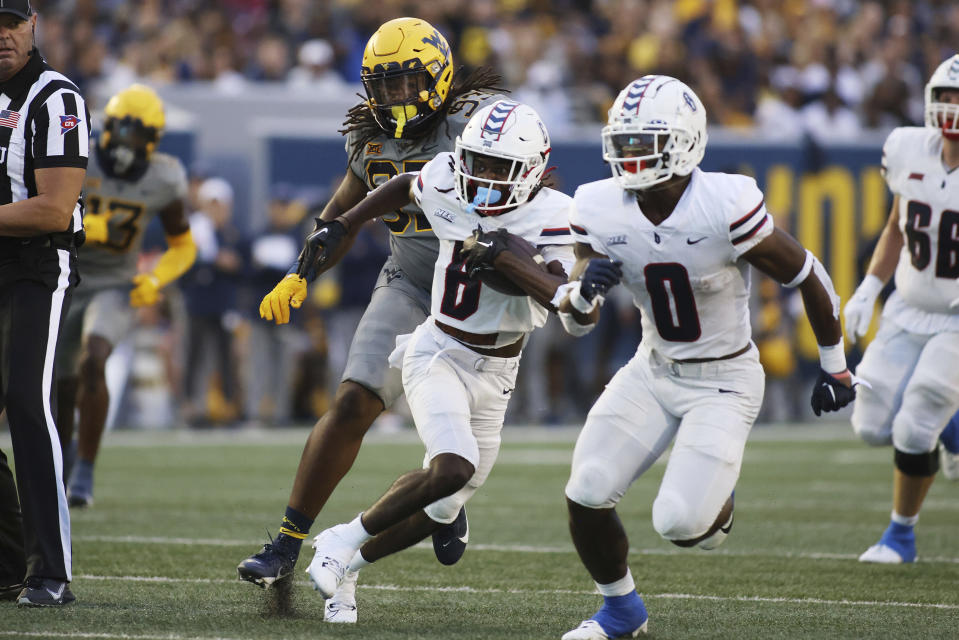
x: 786, y: 68
x: 782, y: 65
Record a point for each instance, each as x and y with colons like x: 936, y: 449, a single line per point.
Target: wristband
x: 833, y: 359
x: 580, y: 303
x: 870, y: 287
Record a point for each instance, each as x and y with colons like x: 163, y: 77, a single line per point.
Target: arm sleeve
x: 61, y: 133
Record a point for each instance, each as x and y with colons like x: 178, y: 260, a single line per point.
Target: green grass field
x: 175, y: 512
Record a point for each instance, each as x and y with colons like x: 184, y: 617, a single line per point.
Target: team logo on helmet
x: 635, y: 93
x: 496, y: 120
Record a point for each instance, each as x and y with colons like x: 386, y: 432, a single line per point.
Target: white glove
x: 858, y: 310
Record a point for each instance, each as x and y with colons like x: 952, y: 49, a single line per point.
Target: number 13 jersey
x: 686, y: 274
x: 928, y: 268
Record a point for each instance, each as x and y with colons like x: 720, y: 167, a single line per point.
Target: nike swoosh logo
x: 696, y: 241
x: 728, y: 391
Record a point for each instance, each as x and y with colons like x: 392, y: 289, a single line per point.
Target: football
x: 500, y: 281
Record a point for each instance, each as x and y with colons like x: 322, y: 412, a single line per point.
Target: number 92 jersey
x: 686, y: 273
x: 412, y: 242
x: 928, y: 268
x: 131, y: 205
x: 469, y: 304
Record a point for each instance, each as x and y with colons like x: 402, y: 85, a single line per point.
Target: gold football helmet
x: 132, y: 126
x: 407, y: 73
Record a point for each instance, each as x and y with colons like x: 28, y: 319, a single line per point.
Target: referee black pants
x: 32, y: 309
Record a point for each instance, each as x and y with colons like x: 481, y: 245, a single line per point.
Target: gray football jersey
x: 413, y: 245
x: 131, y: 206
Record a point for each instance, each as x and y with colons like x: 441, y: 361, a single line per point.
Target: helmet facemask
x: 944, y: 115
x: 401, y: 100
x: 644, y: 156
x: 126, y: 145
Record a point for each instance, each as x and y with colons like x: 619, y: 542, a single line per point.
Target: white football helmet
x: 656, y: 130
x: 507, y: 135
x: 943, y: 115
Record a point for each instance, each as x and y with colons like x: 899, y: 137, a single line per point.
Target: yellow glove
x: 146, y: 290
x: 95, y: 226
x: 289, y: 292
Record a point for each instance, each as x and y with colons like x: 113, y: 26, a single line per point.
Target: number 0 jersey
x: 686, y: 273
x: 928, y: 268
x: 469, y: 304
x: 131, y: 205
x: 412, y: 242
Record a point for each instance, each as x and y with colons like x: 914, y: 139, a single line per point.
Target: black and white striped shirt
x: 44, y: 123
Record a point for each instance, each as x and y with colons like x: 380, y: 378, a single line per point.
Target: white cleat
x: 881, y: 554
x: 332, y: 557
x: 949, y: 463
x: 591, y: 630
x: 341, y: 608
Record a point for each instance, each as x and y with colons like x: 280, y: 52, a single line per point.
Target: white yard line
x: 511, y: 548
x: 481, y: 591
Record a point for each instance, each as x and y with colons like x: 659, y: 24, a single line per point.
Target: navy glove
x: 319, y: 246
x: 830, y: 394
x: 481, y: 248
x: 601, y: 275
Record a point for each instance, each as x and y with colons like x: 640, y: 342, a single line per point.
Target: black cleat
x: 268, y: 566
x: 44, y: 592
x: 449, y: 542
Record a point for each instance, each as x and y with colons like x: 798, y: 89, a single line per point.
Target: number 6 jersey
x: 686, y: 274
x: 468, y: 304
x: 928, y: 268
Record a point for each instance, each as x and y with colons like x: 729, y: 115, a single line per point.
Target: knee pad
x: 672, y: 518
x: 592, y: 485
x: 918, y: 465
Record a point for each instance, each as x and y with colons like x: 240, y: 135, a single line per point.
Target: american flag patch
x: 9, y: 118
x: 916, y: 176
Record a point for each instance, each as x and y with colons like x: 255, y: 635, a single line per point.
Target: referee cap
x: 19, y: 8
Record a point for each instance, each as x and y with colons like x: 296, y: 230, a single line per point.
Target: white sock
x: 358, y: 561
x: 621, y: 587
x: 353, y: 532
x: 909, y: 521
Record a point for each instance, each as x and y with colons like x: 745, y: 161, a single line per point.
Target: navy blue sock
x: 293, y: 530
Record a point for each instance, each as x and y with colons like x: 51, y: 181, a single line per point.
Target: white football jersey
x: 468, y: 304
x: 928, y: 268
x: 686, y: 273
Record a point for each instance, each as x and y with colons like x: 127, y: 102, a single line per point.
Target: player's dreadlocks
x: 360, y: 117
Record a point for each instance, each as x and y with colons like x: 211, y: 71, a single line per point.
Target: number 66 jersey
x: 927, y: 290
x: 686, y: 273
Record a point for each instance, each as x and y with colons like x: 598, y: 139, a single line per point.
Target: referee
x: 43, y: 159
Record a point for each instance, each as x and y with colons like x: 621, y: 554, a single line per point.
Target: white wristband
x: 580, y: 303
x: 833, y: 359
x: 870, y: 287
